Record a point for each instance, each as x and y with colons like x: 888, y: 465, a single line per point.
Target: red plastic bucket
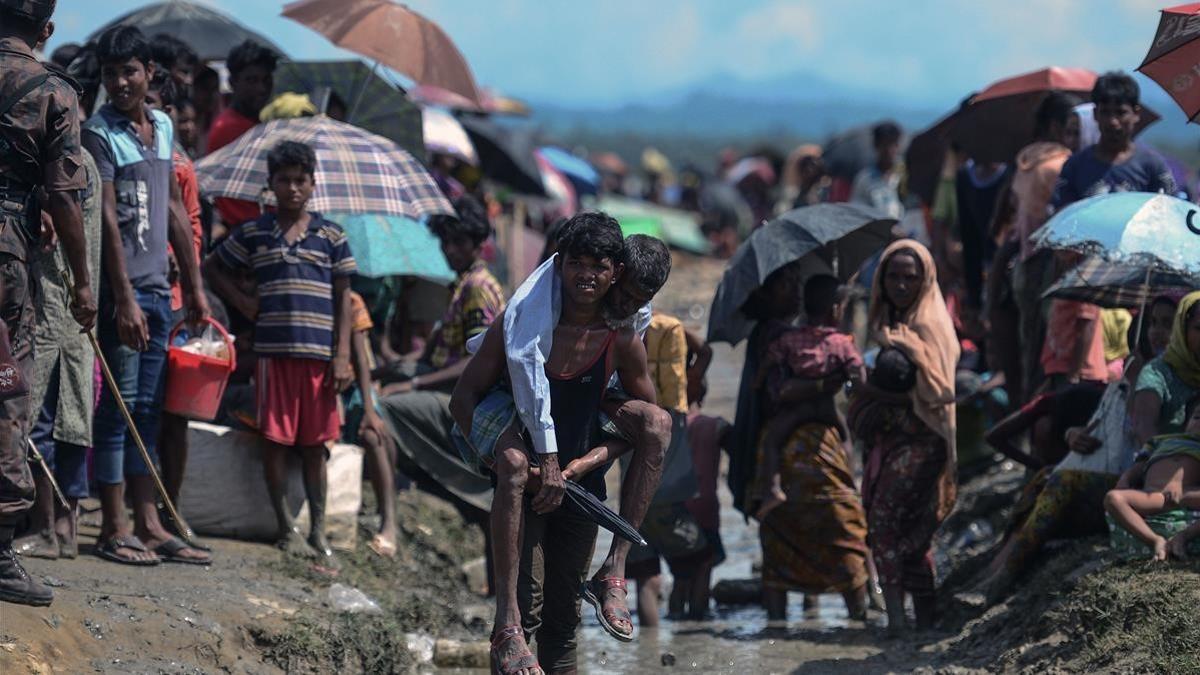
x: 195, y: 382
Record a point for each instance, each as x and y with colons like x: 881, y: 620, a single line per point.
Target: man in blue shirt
x: 141, y: 211
x: 1115, y: 164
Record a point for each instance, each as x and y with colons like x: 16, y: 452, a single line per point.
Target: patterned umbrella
x: 371, y: 102
x: 385, y: 246
x: 1136, y: 227
x: 357, y: 171
x: 1118, y: 285
x: 1171, y: 61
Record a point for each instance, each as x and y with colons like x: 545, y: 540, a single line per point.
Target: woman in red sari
x: 909, y: 483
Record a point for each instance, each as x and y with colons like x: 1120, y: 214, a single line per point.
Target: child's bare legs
x: 315, y: 489
x: 275, y: 471
x: 776, y: 433
x: 649, y: 591
x: 700, y: 585
x: 507, y: 528
x: 1128, y: 508
x: 775, y: 602
x: 893, y: 600
x: 383, y: 482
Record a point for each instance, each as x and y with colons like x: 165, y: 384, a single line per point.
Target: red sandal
x: 593, y: 592
x: 522, y: 661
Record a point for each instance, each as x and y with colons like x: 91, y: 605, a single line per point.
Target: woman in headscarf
x: 909, y: 483
x: 815, y: 541
x: 1167, y: 383
x: 1067, y: 499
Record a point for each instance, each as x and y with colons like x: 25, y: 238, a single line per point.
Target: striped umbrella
x: 357, y: 171
x: 1118, y: 285
x: 371, y: 102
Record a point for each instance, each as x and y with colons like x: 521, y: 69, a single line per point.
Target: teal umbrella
x: 385, y: 246
x: 371, y: 102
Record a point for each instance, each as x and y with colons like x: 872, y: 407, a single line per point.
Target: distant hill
x: 797, y: 105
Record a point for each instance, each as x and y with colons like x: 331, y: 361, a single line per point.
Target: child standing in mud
x: 302, y: 268
x: 1168, y: 474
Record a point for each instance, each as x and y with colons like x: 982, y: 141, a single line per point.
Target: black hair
x: 169, y: 51
x: 250, y: 53
x: 885, y: 133
x: 65, y: 54
x: 182, y: 102
x: 820, y: 295
x: 894, y: 372
x: 121, y: 43
x: 471, y: 222
x: 648, y: 261
x: 291, y: 153
x: 899, y: 252
x: 164, y: 84
x: 592, y: 233
x: 1116, y: 87
x: 1056, y: 108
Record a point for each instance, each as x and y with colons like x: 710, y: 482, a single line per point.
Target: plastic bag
x: 349, y: 599
x: 210, y: 343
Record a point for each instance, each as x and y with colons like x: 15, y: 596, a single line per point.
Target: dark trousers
x: 555, y: 555
x: 16, y: 310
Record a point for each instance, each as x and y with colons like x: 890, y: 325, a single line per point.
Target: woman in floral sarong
x: 909, y: 482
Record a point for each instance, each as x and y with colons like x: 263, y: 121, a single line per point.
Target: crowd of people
x: 845, y: 446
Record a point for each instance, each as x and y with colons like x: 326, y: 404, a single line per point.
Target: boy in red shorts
x: 302, y: 268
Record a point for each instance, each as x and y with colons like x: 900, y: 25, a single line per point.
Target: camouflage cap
x: 34, y: 10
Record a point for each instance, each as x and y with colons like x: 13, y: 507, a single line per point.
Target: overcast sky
x: 609, y: 51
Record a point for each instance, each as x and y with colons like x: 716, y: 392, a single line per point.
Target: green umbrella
x: 385, y: 246
x: 372, y: 102
x: 677, y: 228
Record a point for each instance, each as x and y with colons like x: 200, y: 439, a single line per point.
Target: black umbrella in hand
x: 589, y: 506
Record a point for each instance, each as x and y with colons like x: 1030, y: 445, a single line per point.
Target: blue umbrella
x: 582, y: 175
x: 385, y: 246
x: 1129, y: 226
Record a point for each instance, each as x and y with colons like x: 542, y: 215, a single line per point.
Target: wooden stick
x: 49, y: 474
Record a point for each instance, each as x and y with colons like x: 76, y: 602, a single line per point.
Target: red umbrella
x: 393, y: 35
x: 1174, y: 57
x: 997, y: 122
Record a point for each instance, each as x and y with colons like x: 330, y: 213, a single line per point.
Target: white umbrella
x: 444, y: 134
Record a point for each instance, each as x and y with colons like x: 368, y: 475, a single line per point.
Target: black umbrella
x: 851, y: 151
x: 371, y: 102
x: 587, y: 505
x: 506, y: 154
x: 209, y: 32
x: 827, y: 238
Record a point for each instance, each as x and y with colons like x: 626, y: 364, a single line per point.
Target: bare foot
x: 384, y: 544
x: 1160, y: 549
x: 293, y: 543
x: 773, y: 500
x: 325, y: 557
x: 44, y: 544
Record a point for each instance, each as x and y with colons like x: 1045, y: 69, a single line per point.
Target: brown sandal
x: 593, y: 592
x: 523, y: 661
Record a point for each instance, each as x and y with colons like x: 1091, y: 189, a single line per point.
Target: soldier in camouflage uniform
x: 40, y: 168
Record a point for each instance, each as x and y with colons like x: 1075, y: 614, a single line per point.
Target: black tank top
x: 574, y: 406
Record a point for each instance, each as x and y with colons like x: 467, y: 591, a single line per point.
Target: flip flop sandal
x: 382, y: 546
x: 108, y: 551
x: 522, y: 661
x: 593, y: 592
x: 173, y: 527
x: 169, y: 552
